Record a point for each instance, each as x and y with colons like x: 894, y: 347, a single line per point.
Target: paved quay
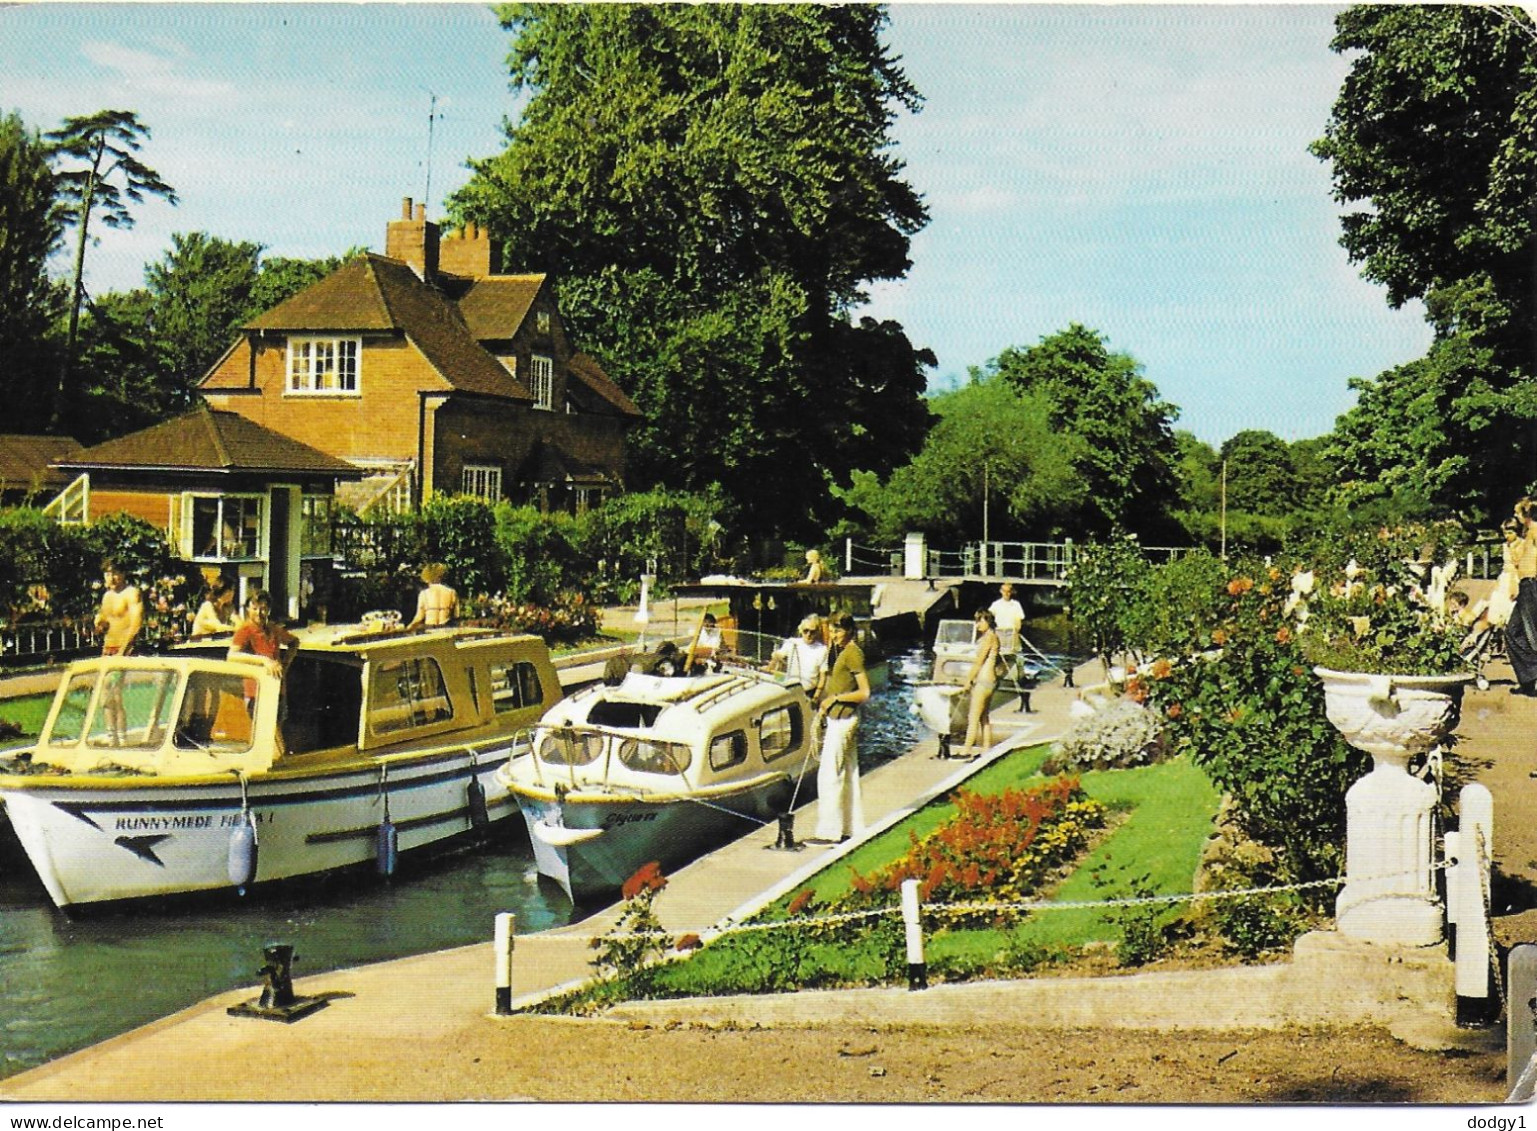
x: 418, y: 1028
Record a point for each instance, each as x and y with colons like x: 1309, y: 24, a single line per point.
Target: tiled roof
x: 208, y: 439
x: 376, y: 293
x: 591, y: 375
x: 24, y: 460
x: 495, y: 306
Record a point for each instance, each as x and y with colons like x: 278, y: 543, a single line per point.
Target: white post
x: 1475, y: 805
x: 848, y: 556
x: 917, y: 970
x: 505, y: 924
x: 914, y: 557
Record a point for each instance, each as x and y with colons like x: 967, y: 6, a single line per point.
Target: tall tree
x: 991, y: 463
x: 714, y: 187
x: 201, y: 292
x: 104, y: 148
x: 1129, y: 456
x: 1433, y: 144
x: 30, y: 231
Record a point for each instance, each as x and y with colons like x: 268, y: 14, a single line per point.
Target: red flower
x: 647, y: 878
x: 800, y: 902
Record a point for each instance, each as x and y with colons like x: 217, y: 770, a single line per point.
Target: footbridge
x: 1022, y: 563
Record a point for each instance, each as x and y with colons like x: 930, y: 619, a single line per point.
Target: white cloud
x: 157, y: 74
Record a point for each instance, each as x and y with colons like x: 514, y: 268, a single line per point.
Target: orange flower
x: 1283, y: 635
x: 1219, y: 637
x: 800, y: 902
x: 1175, y: 710
x: 689, y: 941
x: 1239, y: 586
x: 1162, y: 669
x: 647, y: 878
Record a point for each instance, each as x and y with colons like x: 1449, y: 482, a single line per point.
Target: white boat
x: 659, y: 768
x: 940, y: 701
x: 162, y: 775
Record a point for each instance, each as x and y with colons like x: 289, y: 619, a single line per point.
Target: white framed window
x: 315, y: 525
x: 483, y: 480
x: 542, y: 321
x: 542, y: 374
x: 221, y: 527
x: 324, y: 366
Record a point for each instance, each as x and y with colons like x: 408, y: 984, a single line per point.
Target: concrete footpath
x: 383, y: 1020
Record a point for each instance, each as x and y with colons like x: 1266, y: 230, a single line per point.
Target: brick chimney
x: 414, y: 239
x: 469, y: 251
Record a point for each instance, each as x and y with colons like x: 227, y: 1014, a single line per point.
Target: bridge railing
x: 1043, y: 562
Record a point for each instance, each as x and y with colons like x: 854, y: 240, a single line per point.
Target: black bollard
x: 278, y: 1002
x: 786, y: 838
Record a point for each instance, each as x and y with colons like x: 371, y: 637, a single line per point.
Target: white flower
x: 1302, y: 583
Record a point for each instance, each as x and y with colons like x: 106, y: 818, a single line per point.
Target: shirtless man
x: 119, y: 620
x: 437, y: 604
x: 122, y: 611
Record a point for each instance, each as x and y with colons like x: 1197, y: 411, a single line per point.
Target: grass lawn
x: 1162, y: 816
x: 27, y: 711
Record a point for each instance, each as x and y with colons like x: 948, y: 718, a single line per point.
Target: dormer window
x: 542, y: 321
x: 542, y: 381
x: 323, y: 366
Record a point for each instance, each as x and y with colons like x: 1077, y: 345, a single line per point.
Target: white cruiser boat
x: 659, y: 768
x: 161, y: 775
x: 940, y: 701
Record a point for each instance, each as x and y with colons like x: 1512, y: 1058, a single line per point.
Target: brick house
x: 230, y: 495
x: 434, y: 373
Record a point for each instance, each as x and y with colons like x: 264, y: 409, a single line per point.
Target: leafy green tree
x: 202, y: 290
x: 992, y: 446
x: 103, y: 146
x: 30, y: 230
x: 714, y: 186
x: 1127, y: 454
x: 1260, y: 475
x: 1433, y: 142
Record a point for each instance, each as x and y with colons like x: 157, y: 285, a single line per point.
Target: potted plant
x: 1391, y: 664
x: 1393, y: 677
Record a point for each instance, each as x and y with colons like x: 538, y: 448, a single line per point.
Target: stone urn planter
x: 1388, y: 895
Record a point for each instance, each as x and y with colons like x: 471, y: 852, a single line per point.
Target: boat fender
x: 242, y: 852
x: 387, y: 839
x: 475, y: 797
x: 387, y: 847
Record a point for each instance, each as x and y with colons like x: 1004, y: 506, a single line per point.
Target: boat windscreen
x: 623, y: 714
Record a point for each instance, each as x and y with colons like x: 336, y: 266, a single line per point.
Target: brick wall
x: 380, y: 423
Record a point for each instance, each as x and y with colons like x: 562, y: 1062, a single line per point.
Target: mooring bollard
x: 917, y: 971
x: 506, y: 922
x: 1521, y: 1023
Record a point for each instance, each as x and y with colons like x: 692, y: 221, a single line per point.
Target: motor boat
x: 941, y: 702
x: 192, y: 772
x: 659, y: 768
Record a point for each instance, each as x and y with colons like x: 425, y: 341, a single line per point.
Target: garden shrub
x: 1246, y: 705
x: 462, y: 532
x: 1106, y: 580
x: 539, y: 551
x: 681, y: 533
x: 568, y: 619
x: 1121, y: 733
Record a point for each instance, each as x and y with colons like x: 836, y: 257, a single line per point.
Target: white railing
x: 1040, y: 562
x: 29, y: 643
x: 72, y: 506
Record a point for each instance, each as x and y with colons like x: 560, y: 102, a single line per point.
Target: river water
x: 66, y: 983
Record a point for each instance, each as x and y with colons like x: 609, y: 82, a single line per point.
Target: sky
x: 1140, y: 169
